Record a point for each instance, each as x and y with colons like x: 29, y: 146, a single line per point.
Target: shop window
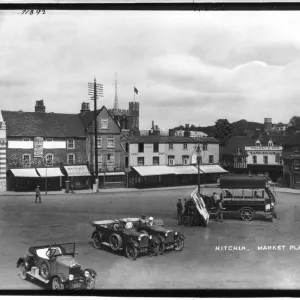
x: 211, y: 159
x: 155, y: 147
x: 141, y: 147
x: 71, y: 159
x: 185, y: 160
x: 254, y: 159
x: 126, y: 162
x: 110, y: 142
x: 49, y: 160
x: 296, y: 165
x: 71, y: 144
x: 99, y: 141
x: 140, y: 161
x: 204, y: 147
x: 171, y: 146
x: 184, y: 146
x: 127, y: 147
x: 26, y: 160
x: 155, y: 161
x: 171, y: 160
x: 104, y: 123
x: 114, y: 178
x: 265, y: 160
x: 296, y: 149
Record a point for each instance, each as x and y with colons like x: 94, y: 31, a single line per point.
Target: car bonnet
x: 67, y: 260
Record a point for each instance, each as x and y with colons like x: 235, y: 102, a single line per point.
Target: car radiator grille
x: 144, y: 241
x: 170, y: 237
x: 75, y: 271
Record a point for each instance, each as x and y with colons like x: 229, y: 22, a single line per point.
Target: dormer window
x: 258, y: 143
x: 270, y: 143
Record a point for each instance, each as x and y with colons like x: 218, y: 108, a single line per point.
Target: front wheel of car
x: 23, y: 272
x: 57, y: 284
x: 90, y: 283
x: 153, y: 247
x: 131, y: 251
x: 45, y: 270
x: 97, y: 241
x: 179, y: 244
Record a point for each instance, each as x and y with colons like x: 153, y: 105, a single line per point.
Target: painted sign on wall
x: 38, y: 147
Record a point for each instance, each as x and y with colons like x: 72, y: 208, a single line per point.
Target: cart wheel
x: 247, y: 214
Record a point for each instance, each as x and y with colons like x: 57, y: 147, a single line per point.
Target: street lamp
x: 199, y: 156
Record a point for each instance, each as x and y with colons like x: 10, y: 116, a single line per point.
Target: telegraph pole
x: 95, y: 90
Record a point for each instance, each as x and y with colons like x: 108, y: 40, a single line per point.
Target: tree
x: 222, y: 131
x: 294, y: 124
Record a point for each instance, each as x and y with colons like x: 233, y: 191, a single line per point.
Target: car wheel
x: 45, y: 270
x: 115, y: 242
x: 97, y: 241
x: 153, y: 247
x: 179, y: 244
x: 131, y: 251
x: 247, y: 214
x: 57, y: 284
x: 90, y: 283
x: 23, y: 272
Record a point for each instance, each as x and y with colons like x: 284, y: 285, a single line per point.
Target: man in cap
x: 150, y: 221
x: 143, y: 219
x: 179, y: 209
x: 38, y: 194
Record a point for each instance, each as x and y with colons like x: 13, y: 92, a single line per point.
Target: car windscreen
x: 67, y: 249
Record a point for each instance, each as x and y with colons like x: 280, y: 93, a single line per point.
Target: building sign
x: 278, y: 148
x: 161, y: 153
x: 133, y: 154
x: 77, y: 171
x: 148, y: 146
x: 265, y: 152
x: 38, y: 147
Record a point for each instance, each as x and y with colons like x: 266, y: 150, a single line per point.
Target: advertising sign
x: 278, y: 148
x: 38, y: 147
x: 200, y: 205
x: 77, y: 171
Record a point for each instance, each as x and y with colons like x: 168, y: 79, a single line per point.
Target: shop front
x: 50, y: 178
x: 211, y: 173
x: 79, y: 177
x: 20, y: 180
x: 186, y: 175
x: 109, y: 180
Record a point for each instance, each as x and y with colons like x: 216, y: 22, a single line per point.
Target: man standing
x: 179, y: 209
x: 219, y: 205
x: 38, y: 195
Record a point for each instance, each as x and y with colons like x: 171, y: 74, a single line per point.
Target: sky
x: 189, y: 67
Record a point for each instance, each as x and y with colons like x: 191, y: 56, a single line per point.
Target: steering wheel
x: 51, y: 252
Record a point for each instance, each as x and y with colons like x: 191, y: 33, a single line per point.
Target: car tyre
x: 45, y: 270
x: 23, y: 271
x: 153, y: 247
x: 115, y: 241
x: 97, y: 241
x: 131, y: 251
x: 57, y: 284
x: 247, y: 214
x: 179, y: 244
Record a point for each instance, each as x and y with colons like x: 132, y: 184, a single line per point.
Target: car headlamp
x: 71, y: 277
x: 175, y: 232
x: 150, y: 237
x: 166, y: 234
x: 86, y: 274
x: 139, y: 238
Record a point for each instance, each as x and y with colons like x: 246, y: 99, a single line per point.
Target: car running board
x: 38, y: 277
x: 107, y: 244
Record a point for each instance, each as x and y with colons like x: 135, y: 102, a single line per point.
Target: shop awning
x: 112, y: 174
x: 50, y: 172
x: 212, y: 169
x: 154, y: 170
x: 185, y: 170
x: 77, y: 171
x: 25, y: 172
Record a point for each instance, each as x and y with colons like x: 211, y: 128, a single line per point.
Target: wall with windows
x: 264, y: 155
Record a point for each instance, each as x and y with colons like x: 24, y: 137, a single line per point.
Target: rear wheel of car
x: 57, y: 284
x: 153, y: 247
x: 131, y: 251
x: 247, y: 214
x: 179, y: 244
x: 23, y: 272
x: 115, y: 241
x: 97, y: 241
x: 45, y: 270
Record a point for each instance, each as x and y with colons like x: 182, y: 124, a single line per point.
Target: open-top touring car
x: 167, y: 236
x: 55, y: 265
x: 115, y: 235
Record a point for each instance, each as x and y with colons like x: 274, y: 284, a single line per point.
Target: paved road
x: 202, y: 264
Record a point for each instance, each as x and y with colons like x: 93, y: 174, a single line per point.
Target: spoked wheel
x: 57, y: 284
x: 153, y: 247
x: 23, y: 273
x: 45, y: 270
x: 131, y: 251
x: 247, y: 214
x: 115, y: 242
x: 179, y: 244
x: 90, y: 282
x: 97, y: 241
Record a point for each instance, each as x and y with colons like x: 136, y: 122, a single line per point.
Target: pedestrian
x: 150, y: 221
x: 179, y: 209
x: 38, y: 194
x: 220, y: 209
x: 185, y: 206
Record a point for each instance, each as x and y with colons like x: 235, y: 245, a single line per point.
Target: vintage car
x: 55, y: 265
x: 167, y: 236
x: 115, y: 235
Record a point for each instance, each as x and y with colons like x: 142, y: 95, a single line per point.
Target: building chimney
x: 268, y: 124
x: 39, y: 106
x: 85, y: 107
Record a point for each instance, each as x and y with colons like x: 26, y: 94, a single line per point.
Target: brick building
x: 41, y: 147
